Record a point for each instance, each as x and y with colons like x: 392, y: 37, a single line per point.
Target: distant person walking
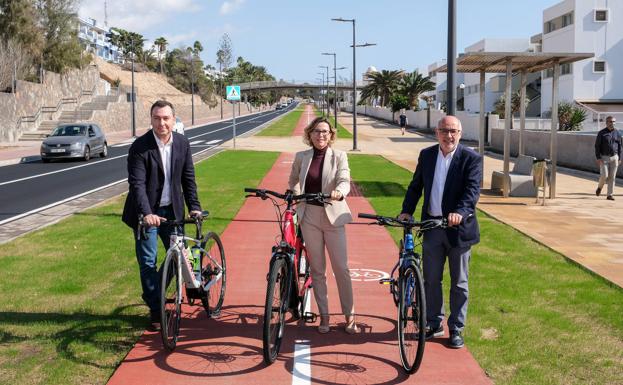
x: 403, y: 121
x: 161, y: 176
x: 608, y: 153
x: 448, y: 175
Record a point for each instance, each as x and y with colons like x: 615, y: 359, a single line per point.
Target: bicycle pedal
x: 310, y: 317
x: 386, y: 281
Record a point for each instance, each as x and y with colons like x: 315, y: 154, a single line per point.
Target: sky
x: 288, y: 37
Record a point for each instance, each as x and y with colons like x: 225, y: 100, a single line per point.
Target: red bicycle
x: 289, y: 278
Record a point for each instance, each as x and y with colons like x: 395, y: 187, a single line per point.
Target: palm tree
x: 412, y: 85
x: 161, y: 43
x: 382, y: 84
x: 197, y: 48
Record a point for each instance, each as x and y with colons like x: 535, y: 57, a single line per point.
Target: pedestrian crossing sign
x: 233, y: 92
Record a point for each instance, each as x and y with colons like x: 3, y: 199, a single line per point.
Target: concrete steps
x: 83, y: 113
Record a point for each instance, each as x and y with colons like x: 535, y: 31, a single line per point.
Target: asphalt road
x: 31, y: 187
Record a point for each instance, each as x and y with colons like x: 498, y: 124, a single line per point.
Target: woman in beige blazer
x: 323, y: 169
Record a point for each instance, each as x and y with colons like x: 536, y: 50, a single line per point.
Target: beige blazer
x: 335, y: 176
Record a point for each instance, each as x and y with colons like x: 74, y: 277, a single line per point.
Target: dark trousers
x: 435, y: 250
x: 147, y: 256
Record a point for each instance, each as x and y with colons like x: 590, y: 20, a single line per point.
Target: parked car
x: 74, y: 140
x: 278, y: 106
x: 179, y: 126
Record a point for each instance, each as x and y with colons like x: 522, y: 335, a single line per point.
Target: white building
x: 495, y: 83
x: 594, y: 26
x: 93, y: 39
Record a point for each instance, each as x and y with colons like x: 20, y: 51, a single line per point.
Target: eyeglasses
x: 446, y: 131
x: 321, y: 132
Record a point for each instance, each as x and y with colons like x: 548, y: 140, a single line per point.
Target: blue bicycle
x: 407, y: 288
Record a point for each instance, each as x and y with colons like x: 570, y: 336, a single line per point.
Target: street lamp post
x: 132, y: 95
x: 192, y: 89
x: 354, y: 79
x: 451, y: 60
x: 321, y: 87
x: 334, y: 85
x: 326, y: 95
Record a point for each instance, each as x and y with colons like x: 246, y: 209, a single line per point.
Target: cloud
x: 136, y: 15
x: 230, y: 6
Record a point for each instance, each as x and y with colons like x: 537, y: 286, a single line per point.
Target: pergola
x: 522, y: 63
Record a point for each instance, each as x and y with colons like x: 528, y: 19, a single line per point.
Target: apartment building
x: 594, y: 26
x: 93, y: 39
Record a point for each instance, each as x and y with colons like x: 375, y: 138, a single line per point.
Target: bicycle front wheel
x: 213, y: 273
x: 277, y: 294
x: 170, y: 300
x: 411, y: 319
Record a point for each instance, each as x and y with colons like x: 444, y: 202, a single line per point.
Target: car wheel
x: 104, y: 152
x: 87, y: 153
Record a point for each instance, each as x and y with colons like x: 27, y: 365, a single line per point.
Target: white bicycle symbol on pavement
x: 365, y: 275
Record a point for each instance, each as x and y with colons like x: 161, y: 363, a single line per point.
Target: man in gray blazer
x: 449, y: 174
x: 161, y: 176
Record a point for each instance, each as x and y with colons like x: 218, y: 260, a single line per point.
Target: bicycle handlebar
x: 288, y: 196
x: 196, y: 220
x: 424, y: 225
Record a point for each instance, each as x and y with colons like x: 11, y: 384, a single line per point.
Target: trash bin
x: 539, y: 173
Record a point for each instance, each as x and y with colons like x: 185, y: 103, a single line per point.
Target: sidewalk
x: 577, y: 224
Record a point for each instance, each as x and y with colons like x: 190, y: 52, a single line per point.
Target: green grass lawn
x: 72, y: 307
x: 534, y: 317
x: 284, y: 126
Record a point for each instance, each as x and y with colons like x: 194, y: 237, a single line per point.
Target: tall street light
x: 321, y: 87
x: 451, y: 60
x: 354, y: 79
x: 326, y: 95
x: 334, y: 85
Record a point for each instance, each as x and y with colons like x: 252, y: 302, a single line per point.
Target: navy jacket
x: 146, y: 178
x: 460, y: 194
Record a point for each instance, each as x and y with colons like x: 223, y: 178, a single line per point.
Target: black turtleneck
x: 313, y: 182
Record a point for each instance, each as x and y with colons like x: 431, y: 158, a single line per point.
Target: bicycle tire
x: 170, y: 300
x: 394, y: 289
x: 277, y: 296
x: 212, y: 300
x: 411, y: 319
x: 304, y: 273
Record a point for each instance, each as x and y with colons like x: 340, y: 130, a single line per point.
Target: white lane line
x: 226, y: 127
x: 60, y: 202
x: 61, y: 170
x: 214, y: 141
x: 196, y: 142
x: 301, y: 370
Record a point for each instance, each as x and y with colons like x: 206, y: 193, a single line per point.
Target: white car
x: 179, y: 126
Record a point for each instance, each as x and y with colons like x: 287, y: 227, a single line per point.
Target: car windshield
x: 69, y: 131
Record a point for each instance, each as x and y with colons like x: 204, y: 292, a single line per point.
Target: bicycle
x: 289, y: 278
x: 200, y: 270
x: 407, y: 288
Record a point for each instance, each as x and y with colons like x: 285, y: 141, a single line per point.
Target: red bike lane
x: 228, y: 350
x: 306, y: 117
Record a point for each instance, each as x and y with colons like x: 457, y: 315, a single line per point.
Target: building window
x: 557, y: 23
x: 599, y: 66
x: 601, y: 15
x: 565, y: 69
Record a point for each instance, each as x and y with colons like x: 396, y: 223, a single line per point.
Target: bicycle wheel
x: 304, y: 275
x: 212, y: 299
x: 274, y: 309
x: 411, y: 319
x: 170, y: 300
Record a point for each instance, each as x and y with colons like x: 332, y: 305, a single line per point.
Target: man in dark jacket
x: 608, y: 153
x: 449, y: 175
x: 161, y: 176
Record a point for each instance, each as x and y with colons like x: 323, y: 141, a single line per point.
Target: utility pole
x: 451, y: 88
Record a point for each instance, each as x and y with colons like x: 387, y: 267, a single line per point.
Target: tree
x: 383, y: 84
x: 248, y: 72
x: 127, y: 42
x: 223, y: 58
x: 62, y: 49
x: 19, y: 21
x: 570, y: 117
x: 398, y: 102
x: 500, y: 106
x: 197, y: 48
x: 412, y: 85
x: 161, y: 43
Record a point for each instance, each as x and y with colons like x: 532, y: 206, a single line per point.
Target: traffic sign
x: 233, y: 92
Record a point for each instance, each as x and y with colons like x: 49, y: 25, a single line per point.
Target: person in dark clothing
x: 608, y: 153
x: 403, y: 121
x: 448, y: 174
x: 161, y: 176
